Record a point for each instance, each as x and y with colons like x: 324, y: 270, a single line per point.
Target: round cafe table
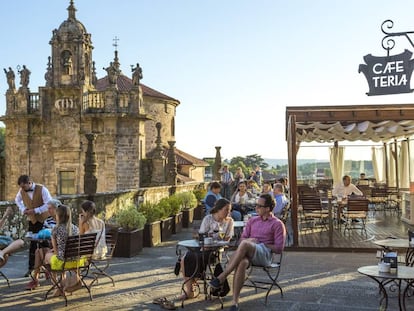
x: 393, y: 244
x: 402, y: 274
x: 197, y: 247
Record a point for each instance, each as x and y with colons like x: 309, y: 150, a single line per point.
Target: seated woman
x: 44, y: 248
x: 60, y: 232
x: 11, y: 246
x: 218, y: 220
x: 241, y: 198
x: 89, y: 223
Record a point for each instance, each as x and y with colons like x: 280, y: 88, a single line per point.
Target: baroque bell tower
x: 71, y: 62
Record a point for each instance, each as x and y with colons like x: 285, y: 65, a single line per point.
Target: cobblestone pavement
x: 310, y: 281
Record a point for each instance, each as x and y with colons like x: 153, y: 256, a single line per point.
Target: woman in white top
x: 241, y: 198
x: 218, y: 220
x: 89, y: 223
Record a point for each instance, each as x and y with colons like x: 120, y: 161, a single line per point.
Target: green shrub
x: 165, y: 206
x: 129, y: 218
x: 188, y: 200
x: 200, y: 193
x: 175, y: 204
x: 151, y: 211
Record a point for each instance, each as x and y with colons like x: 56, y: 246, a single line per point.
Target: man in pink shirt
x: 262, y: 236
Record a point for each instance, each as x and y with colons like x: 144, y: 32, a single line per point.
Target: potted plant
x: 130, y: 233
x: 189, y: 202
x: 166, y: 219
x: 200, y: 210
x: 176, y: 213
x: 152, y: 229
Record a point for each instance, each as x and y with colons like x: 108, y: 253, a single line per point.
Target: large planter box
x: 166, y: 228
x: 199, y: 212
x: 188, y: 217
x: 152, y: 234
x: 129, y: 243
x: 177, y: 224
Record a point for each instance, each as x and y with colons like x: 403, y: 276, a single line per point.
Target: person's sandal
x: 159, y: 301
x: 168, y: 305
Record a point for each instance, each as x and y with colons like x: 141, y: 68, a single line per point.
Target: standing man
x: 32, y: 201
x: 226, y: 182
x: 263, y: 235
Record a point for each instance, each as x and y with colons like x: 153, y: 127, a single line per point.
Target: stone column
x: 158, y: 161
x: 91, y: 165
x: 217, y: 165
x: 172, y: 164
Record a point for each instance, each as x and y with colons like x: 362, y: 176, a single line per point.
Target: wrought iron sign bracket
x: 388, y: 42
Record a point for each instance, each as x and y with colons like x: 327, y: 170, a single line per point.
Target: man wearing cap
x: 32, y: 201
x: 263, y: 235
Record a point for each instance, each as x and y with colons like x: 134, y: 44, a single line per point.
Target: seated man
x: 212, y: 196
x: 363, y: 181
x: 280, y: 198
x: 262, y: 235
x: 345, y: 188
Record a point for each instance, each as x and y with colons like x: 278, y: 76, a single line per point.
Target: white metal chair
x: 268, y: 280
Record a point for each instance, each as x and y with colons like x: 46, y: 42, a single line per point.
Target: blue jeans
x: 236, y: 215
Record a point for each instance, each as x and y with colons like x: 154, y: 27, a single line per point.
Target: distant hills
x: 281, y: 162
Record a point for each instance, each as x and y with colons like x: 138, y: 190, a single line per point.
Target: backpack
x: 225, y: 288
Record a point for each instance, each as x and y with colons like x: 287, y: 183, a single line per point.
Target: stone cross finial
x: 115, y: 44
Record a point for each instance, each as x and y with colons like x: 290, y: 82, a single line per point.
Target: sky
x: 234, y: 65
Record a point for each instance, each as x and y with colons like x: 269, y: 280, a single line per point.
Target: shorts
x: 57, y: 264
x: 262, y: 255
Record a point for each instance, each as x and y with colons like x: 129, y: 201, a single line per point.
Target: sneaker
x: 234, y: 308
x: 215, y: 283
x: 32, y: 285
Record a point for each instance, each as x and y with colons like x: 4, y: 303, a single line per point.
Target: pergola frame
x: 326, y: 115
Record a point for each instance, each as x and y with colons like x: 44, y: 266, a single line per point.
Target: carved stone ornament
x: 64, y: 105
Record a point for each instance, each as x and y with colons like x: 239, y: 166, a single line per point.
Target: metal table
x: 402, y: 274
x: 393, y: 244
x: 195, y: 246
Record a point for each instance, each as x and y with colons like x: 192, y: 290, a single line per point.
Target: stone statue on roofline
x: 10, y: 78
x: 136, y: 74
x: 112, y: 74
x: 24, y: 76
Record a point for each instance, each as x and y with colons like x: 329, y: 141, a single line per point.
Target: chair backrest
x: 379, y: 192
x: 285, y: 213
x: 111, y: 237
x: 311, y: 203
x: 78, y: 246
x: 366, y: 190
x: 357, y: 205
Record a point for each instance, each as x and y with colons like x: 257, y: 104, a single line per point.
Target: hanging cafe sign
x: 390, y: 74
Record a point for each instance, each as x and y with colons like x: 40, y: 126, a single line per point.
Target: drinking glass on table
x: 215, y: 235
x: 221, y: 234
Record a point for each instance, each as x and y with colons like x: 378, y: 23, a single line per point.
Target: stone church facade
x: 81, y: 134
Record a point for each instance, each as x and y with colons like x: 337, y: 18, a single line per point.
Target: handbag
x: 225, y: 287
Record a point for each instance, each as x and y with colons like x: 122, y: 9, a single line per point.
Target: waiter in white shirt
x: 346, y: 188
x: 32, y: 201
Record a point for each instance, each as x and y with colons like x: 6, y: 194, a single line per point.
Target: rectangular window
x: 67, y: 182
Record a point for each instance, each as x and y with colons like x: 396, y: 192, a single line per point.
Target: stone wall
x: 106, y: 203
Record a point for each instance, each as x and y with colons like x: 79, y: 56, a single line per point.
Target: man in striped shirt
x: 226, y: 182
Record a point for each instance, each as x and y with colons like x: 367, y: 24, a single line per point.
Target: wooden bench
x: 78, y: 248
